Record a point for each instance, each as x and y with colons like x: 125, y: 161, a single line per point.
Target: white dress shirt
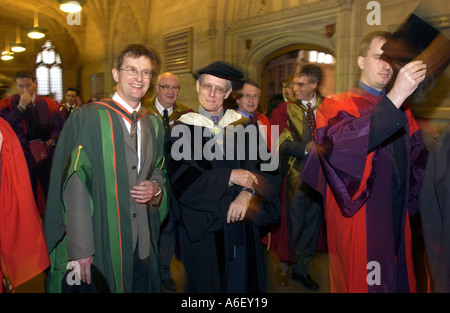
x: 126, y: 106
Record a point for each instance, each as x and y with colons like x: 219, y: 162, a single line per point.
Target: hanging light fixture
x: 17, y: 46
x: 71, y: 6
x: 36, y: 32
x: 7, y: 55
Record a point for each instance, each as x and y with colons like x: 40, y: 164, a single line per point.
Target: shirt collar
x: 205, y: 113
x: 161, y: 109
x: 372, y: 90
x: 125, y: 105
x: 312, y: 101
x: 245, y: 114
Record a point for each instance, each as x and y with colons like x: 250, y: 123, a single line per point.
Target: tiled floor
x: 318, y: 270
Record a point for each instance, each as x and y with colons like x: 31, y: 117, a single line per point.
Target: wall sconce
x: 71, y: 6
x: 36, y: 32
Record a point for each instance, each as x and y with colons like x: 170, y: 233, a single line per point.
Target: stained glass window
x: 49, y: 72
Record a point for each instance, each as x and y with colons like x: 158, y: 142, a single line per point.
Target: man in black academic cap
x: 222, y: 193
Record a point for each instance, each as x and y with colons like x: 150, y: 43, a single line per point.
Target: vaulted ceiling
x: 15, y: 16
x: 65, y: 31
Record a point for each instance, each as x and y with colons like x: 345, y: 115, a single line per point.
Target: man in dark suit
x: 166, y: 107
x: 107, y: 195
x: 71, y: 102
x: 303, y: 204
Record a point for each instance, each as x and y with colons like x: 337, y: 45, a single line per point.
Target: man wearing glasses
x: 166, y: 107
x: 302, y: 203
x: 107, y: 196
x: 220, y: 201
x: 247, y: 100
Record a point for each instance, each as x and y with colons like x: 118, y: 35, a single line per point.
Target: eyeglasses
x: 217, y: 89
x: 167, y: 88
x: 250, y: 97
x: 146, y: 74
x: 301, y: 85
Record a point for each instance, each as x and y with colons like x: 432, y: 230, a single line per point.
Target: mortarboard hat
x: 222, y: 70
x: 416, y: 39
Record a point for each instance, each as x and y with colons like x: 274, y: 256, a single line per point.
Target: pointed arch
x: 262, y: 52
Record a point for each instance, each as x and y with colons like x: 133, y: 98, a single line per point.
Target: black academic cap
x: 222, y: 70
x: 416, y: 39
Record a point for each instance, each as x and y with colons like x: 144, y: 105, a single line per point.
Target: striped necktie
x: 133, y: 130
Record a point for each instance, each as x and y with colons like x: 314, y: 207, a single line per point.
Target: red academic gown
x: 364, y: 256
x: 23, y: 251
x: 262, y: 120
x: 279, y: 239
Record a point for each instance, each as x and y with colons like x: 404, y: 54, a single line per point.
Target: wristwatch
x: 251, y: 190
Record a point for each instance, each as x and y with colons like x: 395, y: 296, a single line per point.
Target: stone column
x: 347, y: 42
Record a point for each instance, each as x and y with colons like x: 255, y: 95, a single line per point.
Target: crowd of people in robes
x: 126, y: 180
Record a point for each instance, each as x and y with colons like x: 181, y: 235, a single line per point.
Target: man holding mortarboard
x: 372, y: 157
x: 222, y: 189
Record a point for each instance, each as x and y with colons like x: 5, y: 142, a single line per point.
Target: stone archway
x: 257, y: 59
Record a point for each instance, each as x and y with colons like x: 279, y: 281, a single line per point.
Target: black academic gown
x: 434, y: 206
x: 201, y: 197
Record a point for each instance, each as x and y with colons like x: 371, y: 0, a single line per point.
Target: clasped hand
x: 145, y: 191
x: 239, y: 206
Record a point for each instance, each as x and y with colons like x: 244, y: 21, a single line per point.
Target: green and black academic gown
x: 92, y: 146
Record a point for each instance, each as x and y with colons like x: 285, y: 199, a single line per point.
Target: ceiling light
x: 71, y: 6
x: 6, y: 56
x: 36, y: 32
x: 17, y: 47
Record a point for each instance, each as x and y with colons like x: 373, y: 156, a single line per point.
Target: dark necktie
x: 133, y: 130
x: 33, y: 121
x: 215, y: 119
x: 311, y: 120
x: 33, y: 112
x: 166, y: 119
